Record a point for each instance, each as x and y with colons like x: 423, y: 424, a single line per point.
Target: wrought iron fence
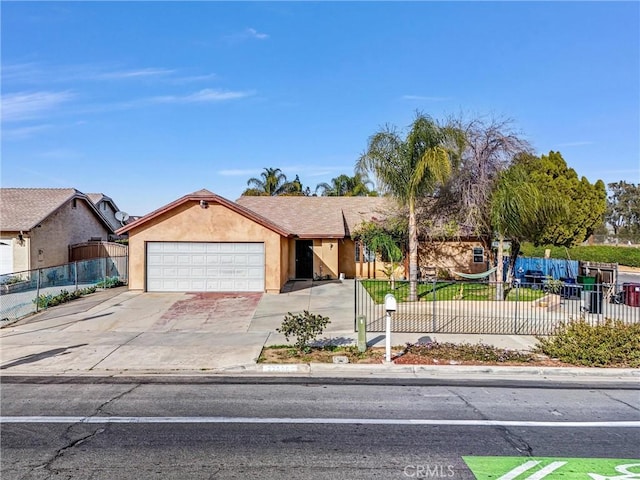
x: 534, y: 308
x: 19, y: 292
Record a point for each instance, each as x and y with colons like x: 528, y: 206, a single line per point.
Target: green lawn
x: 446, y: 291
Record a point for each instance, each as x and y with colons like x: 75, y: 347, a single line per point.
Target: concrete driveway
x: 117, y: 331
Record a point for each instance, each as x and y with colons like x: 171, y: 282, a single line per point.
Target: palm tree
x: 346, y: 186
x: 272, y: 182
x: 407, y: 168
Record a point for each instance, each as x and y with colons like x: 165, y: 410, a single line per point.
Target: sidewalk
x: 122, y: 333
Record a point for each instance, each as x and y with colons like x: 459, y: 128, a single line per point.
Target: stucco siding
x: 346, y: 257
x: 451, y: 256
x: 191, y: 223
x: 49, y: 243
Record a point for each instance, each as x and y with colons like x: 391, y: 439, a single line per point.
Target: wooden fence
x: 88, y: 250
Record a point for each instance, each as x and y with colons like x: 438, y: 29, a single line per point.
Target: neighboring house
x: 37, y: 226
x: 204, y: 242
x: 107, y: 208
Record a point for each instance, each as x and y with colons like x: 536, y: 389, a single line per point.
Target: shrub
x: 610, y: 344
x: 46, y: 301
x: 466, y: 351
x: 109, y: 282
x: 303, y: 326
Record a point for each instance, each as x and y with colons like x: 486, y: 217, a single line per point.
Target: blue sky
x: 148, y: 101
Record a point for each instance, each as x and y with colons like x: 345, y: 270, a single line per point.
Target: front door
x: 304, y: 258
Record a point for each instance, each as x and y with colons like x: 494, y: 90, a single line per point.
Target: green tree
x: 623, y: 207
x: 518, y: 210
x: 407, y: 168
x: 583, y: 203
x: 345, y: 186
x: 271, y: 182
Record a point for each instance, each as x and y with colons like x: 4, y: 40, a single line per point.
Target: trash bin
x: 588, y: 282
x: 631, y: 294
x: 569, y: 289
x: 595, y: 301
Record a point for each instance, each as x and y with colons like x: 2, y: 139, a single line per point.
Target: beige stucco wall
x: 191, y: 223
x: 346, y: 257
x: 325, y: 258
x: 451, y: 256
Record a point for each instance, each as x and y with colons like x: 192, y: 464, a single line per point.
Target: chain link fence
x: 534, y: 308
x: 26, y: 292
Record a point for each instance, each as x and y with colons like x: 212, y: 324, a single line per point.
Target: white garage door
x: 6, y: 255
x: 205, y: 267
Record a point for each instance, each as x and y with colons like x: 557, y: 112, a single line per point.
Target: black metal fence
x: 494, y: 308
x: 19, y: 291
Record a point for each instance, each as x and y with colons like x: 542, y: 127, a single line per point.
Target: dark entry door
x: 304, y: 258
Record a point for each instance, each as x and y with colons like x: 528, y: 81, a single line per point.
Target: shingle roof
x: 96, y: 197
x: 315, y: 217
x: 24, y: 208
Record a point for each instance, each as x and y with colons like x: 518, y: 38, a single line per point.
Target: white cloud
x: 253, y: 33
x: 193, y: 78
x: 206, y: 95
x: 125, y: 74
x: 425, y: 98
x: 247, y: 34
x: 27, y: 105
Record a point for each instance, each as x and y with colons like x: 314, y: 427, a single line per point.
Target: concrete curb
x: 351, y: 371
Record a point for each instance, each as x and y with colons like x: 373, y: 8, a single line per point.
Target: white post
x: 388, y: 337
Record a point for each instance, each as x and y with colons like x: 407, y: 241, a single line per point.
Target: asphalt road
x: 315, y: 430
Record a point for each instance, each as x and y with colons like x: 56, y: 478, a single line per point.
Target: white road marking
x: 320, y: 421
x: 546, y: 470
x: 519, y: 469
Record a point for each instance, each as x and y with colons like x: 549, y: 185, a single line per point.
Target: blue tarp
x: 552, y: 267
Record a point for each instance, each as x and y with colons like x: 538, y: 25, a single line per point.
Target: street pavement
x: 119, y: 332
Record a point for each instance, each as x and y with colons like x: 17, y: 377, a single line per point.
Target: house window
x: 75, y: 203
x: 368, y: 255
x: 104, y: 206
x: 478, y: 255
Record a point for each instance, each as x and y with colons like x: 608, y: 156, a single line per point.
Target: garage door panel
x: 208, y: 267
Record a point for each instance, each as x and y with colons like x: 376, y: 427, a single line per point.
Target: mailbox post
x: 389, y: 306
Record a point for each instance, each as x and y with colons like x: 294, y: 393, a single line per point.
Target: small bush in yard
x: 610, y: 344
x: 303, y: 326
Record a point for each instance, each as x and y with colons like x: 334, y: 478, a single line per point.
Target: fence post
x: 355, y: 305
x: 433, y: 307
x: 515, y: 318
x: 75, y: 269
x: 104, y: 277
x: 37, y: 289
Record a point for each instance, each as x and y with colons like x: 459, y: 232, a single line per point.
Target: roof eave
x: 245, y: 212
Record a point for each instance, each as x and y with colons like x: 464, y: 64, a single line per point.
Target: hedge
x: 627, y: 256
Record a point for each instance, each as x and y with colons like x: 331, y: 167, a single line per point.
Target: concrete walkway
x: 119, y: 332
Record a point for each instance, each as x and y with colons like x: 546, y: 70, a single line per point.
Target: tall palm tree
x: 407, y: 168
x: 272, y: 182
x: 346, y: 186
